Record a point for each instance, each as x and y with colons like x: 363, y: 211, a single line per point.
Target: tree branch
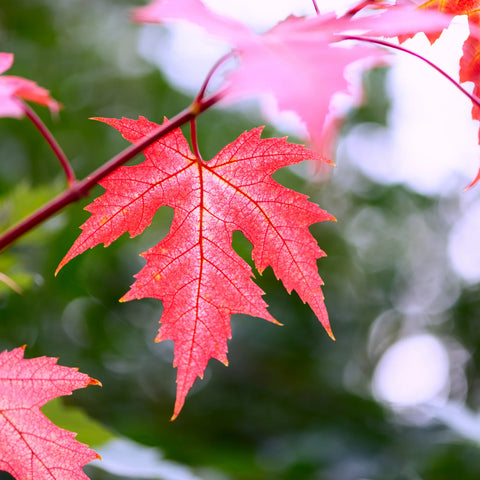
x: 82, y: 188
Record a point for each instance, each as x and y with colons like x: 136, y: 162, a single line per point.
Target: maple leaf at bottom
x: 31, y: 446
x: 194, y: 270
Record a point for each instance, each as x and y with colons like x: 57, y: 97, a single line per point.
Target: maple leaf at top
x: 194, y: 269
x: 32, y: 447
x: 299, y: 61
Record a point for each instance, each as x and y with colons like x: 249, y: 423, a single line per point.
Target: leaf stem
x: 367, y: 3
x: 48, y: 136
x: 384, y: 43
x: 209, y: 76
x: 82, y: 188
x: 198, y: 100
x: 194, y: 139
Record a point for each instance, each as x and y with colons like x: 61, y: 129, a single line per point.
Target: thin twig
x: 384, y: 43
x: 203, y: 88
x: 367, y: 3
x: 315, y: 6
x: 48, y: 136
x: 198, y: 100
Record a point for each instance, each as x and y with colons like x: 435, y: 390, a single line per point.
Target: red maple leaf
x: 300, y: 61
x: 12, y: 87
x: 194, y: 269
x: 32, y: 447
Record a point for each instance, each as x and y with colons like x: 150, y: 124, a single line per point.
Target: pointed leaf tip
x: 28, y: 438
x: 330, y: 333
x: 473, y: 182
x: 94, y: 381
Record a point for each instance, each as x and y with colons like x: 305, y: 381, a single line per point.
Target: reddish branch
x: 82, y: 188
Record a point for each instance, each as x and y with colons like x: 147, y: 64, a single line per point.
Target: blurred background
x: 395, y: 398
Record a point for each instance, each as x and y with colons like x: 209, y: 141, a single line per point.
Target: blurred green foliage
x: 292, y: 405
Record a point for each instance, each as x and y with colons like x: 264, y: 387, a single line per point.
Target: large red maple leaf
x: 32, y: 447
x: 194, y: 269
